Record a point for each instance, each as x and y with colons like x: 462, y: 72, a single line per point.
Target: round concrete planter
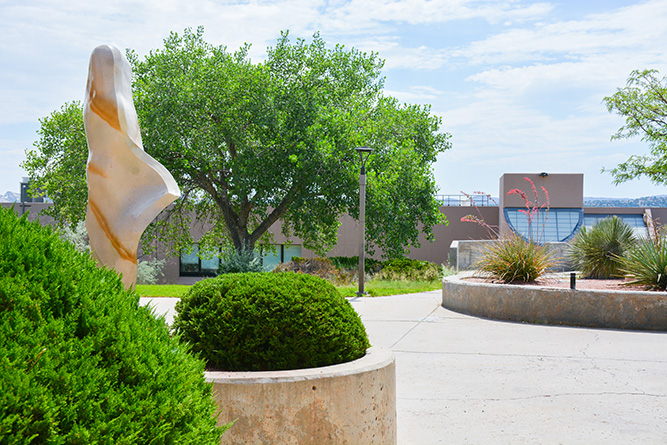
x: 350, y: 403
x: 639, y: 310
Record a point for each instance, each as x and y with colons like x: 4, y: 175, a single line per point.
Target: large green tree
x: 643, y: 103
x: 57, y: 165
x: 251, y: 144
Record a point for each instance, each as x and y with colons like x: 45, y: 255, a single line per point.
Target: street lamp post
x: 364, y: 152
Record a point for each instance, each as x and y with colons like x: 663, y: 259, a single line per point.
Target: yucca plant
x: 597, y: 253
x: 646, y: 263
x: 514, y: 259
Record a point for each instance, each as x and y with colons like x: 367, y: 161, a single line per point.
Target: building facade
x: 557, y: 198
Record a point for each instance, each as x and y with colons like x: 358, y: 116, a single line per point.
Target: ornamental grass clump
x: 513, y: 259
x: 598, y: 252
x: 269, y: 321
x: 645, y: 263
x: 80, y: 361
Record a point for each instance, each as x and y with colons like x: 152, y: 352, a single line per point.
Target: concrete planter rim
x: 375, y: 358
x: 595, y: 308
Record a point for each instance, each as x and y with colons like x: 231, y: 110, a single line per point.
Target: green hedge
x: 269, y: 321
x: 410, y: 270
x: 371, y: 266
x: 80, y: 361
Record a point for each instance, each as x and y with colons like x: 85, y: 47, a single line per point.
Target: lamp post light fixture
x: 364, y: 153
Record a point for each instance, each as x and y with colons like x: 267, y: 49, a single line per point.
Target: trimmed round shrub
x: 269, y: 321
x: 597, y: 252
x: 80, y: 361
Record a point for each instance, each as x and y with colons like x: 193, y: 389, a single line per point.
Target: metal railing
x: 466, y: 201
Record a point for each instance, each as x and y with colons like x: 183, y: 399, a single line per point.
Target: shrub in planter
x: 597, y: 252
x: 514, y: 259
x: 80, y: 360
x: 269, y: 321
x: 409, y: 270
x: 646, y: 263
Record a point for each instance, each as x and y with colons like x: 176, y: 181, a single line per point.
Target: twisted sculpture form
x: 127, y: 188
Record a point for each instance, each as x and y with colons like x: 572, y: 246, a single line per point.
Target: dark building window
x: 191, y: 265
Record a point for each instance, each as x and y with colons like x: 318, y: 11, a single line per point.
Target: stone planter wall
x: 350, y: 403
x: 534, y: 304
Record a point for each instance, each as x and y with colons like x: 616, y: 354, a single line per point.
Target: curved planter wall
x: 350, y: 403
x: 639, y: 310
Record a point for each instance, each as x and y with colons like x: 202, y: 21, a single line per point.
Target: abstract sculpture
x: 127, y: 188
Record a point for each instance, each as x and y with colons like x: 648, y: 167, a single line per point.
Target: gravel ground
x: 563, y: 281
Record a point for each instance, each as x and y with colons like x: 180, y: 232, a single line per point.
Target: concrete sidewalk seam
x: 569, y: 357
x: 412, y: 328
x: 539, y: 396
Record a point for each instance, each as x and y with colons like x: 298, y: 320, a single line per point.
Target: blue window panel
x: 291, y: 251
x: 546, y: 226
x: 271, y: 259
x: 283, y: 253
x: 635, y: 221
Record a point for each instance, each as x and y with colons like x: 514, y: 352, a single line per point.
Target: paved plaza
x: 463, y: 379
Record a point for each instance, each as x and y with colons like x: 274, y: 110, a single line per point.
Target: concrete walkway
x: 462, y: 379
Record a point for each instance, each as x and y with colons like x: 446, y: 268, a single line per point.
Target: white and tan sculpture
x: 127, y: 188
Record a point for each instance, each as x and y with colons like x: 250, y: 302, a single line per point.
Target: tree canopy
x: 57, y: 165
x: 643, y: 102
x: 254, y: 143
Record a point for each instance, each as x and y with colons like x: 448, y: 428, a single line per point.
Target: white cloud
x: 415, y: 94
x: 399, y: 57
x: 495, y: 134
x: 519, y: 88
x: 535, y: 99
x: 438, y: 11
x: 627, y: 30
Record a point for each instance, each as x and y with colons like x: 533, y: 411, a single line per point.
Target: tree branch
x: 275, y: 214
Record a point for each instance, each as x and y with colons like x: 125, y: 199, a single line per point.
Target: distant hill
x: 646, y: 201
x: 10, y: 197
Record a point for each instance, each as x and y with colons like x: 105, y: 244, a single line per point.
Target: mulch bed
x: 564, y: 282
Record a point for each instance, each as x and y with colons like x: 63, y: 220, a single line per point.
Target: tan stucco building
x: 566, y: 215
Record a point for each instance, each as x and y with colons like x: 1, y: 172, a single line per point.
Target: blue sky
x: 519, y: 84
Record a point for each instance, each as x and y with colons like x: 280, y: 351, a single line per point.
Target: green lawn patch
x: 380, y: 288
x: 375, y: 288
x: 162, y: 290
